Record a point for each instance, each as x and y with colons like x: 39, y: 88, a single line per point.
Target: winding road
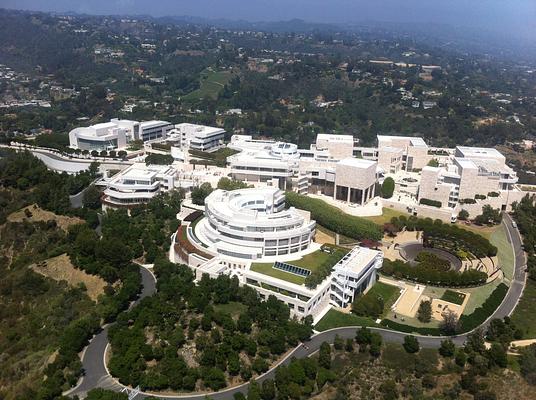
x: 96, y: 374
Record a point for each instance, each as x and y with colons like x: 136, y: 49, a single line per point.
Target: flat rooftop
x: 357, y: 162
x: 412, y: 140
x: 335, y: 138
x: 479, y: 152
x: 357, y: 260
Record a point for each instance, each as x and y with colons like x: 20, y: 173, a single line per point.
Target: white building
x: 138, y: 184
x: 262, y: 161
x: 197, y: 137
x: 154, y: 130
x: 116, y: 134
x: 249, y: 234
x: 353, y: 274
x: 474, y: 177
x: 253, y: 223
x: 319, y: 170
x: 104, y: 136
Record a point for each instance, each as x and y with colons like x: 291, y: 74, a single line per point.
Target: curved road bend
x: 97, y: 376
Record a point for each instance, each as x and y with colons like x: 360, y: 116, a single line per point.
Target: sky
x: 513, y: 18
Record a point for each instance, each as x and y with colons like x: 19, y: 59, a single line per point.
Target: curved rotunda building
x: 253, y: 223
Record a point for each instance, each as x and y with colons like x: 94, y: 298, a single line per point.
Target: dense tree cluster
x: 231, y: 184
x: 183, y: 316
x: 50, y: 190
x: 200, y: 193
x: 334, y: 219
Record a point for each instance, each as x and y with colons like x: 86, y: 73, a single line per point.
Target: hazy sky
x: 513, y: 17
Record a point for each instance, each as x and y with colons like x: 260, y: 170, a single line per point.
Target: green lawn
x: 388, y: 293
x: 524, y: 315
x: 336, y: 319
x: 387, y: 214
x: 311, y: 261
x: 233, y: 308
x: 267, y: 269
x: 499, y: 238
x: 211, y: 83
x: 479, y: 295
x: 485, y: 231
x: 453, y: 297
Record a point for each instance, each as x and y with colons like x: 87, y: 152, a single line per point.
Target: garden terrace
x: 430, y: 273
x: 319, y: 263
x: 416, y: 252
x: 184, y: 247
x: 453, y: 297
x: 446, y: 236
x: 334, y: 219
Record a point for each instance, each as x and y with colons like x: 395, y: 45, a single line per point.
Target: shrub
x: 430, y: 202
x: 334, y: 219
x: 388, y: 187
x: 463, y: 215
x: 480, y: 197
x: 424, y: 314
x: 493, y: 194
x: 467, y: 201
x: 159, y: 159
x: 411, y: 344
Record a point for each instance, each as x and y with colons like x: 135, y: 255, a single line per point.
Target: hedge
x: 477, y: 317
x: 430, y: 202
x: 334, y: 219
x: 431, y: 274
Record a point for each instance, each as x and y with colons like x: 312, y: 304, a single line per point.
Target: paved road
x: 97, y: 376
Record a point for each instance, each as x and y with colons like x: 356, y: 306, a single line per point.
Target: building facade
x: 198, y: 137
x: 253, y: 223
x: 138, y: 184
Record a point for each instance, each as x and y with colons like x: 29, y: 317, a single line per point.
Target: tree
x: 388, y: 188
x: 338, y: 342
x: 489, y: 216
x: 231, y: 184
x: 363, y: 336
x: 324, y: 356
x: 121, y: 153
x: 200, y: 193
x: 497, y: 355
x: 411, y: 344
x: 424, y: 314
x: 461, y: 358
x: 91, y: 198
x: 447, y: 348
x: 463, y: 215
x: 433, y: 163
x: 254, y: 392
x: 103, y: 153
x: 449, y: 324
x: 268, y: 390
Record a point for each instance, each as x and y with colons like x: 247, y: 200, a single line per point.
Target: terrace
x: 314, y: 262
